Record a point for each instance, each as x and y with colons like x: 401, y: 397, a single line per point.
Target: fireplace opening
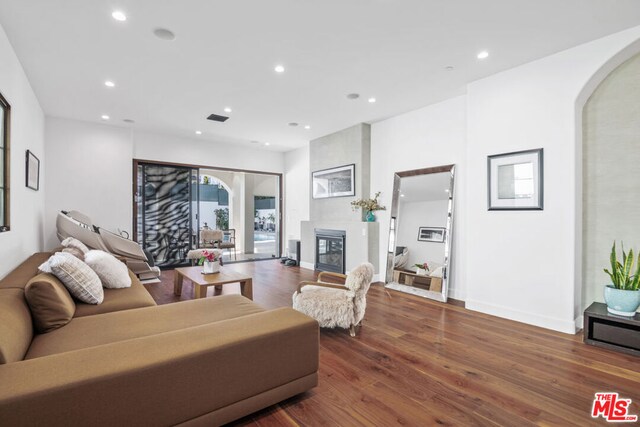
x: 330, y: 250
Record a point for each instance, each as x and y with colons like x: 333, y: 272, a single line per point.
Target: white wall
x: 27, y: 133
x: 151, y: 146
x: 525, y: 265
x: 90, y: 170
x: 296, y: 183
x: 432, y: 136
x: 412, y: 216
x: 91, y: 166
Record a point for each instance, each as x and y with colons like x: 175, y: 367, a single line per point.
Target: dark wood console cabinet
x: 606, y: 330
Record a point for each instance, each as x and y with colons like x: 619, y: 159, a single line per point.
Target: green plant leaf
x: 628, y: 263
x: 612, y: 258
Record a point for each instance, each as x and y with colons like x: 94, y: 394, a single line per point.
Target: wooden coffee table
x: 202, y: 281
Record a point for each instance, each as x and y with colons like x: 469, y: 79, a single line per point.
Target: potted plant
x: 622, y: 295
x: 422, y: 269
x: 211, y: 261
x: 368, y: 206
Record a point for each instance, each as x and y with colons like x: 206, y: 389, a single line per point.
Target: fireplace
x: 330, y: 250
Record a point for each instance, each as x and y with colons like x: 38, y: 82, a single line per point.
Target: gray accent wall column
x: 351, y: 145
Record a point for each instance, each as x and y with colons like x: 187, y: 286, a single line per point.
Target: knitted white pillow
x: 81, y: 281
x: 113, y: 273
x: 72, y: 242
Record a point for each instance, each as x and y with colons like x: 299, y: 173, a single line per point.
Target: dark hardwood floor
x: 419, y: 362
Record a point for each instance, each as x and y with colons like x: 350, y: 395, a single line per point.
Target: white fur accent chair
x: 334, y: 305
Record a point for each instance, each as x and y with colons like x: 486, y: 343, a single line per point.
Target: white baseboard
x: 579, y: 322
x: 307, y: 265
x: 566, y: 326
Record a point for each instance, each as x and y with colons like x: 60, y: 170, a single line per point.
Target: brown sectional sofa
x: 129, y: 362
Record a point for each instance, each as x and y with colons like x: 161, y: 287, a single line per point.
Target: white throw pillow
x: 81, y: 281
x: 45, y: 267
x: 72, y: 242
x: 113, y: 273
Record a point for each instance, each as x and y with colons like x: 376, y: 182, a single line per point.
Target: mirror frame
x: 391, y: 248
x: 4, y: 169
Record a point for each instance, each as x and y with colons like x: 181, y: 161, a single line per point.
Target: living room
x: 310, y: 88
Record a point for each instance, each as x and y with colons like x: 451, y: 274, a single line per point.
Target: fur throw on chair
x: 333, y: 307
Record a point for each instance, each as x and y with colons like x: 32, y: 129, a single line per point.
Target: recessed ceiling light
x: 104, y: 117
x: 198, y: 132
x: 109, y: 83
x: 371, y: 100
x: 164, y: 34
x: 402, y: 195
x: 446, y: 190
x: 307, y: 127
x: 353, y: 96
x: 293, y: 124
x: 483, y: 55
x: 279, y: 68
x: 119, y: 15
x: 227, y: 109
x: 266, y: 143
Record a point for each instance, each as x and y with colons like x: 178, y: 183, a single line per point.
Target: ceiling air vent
x: 217, y: 118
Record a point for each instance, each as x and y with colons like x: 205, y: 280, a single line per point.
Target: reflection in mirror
x: 420, y: 232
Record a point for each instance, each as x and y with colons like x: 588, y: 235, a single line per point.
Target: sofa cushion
x: 135, y: 296
x: 19, y: 277
x: 112, y: 273
x: 130, y: 324
x: 16, y: 327
x: 81, y: 281
x: 50, y: 303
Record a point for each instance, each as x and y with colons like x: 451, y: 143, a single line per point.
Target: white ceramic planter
x: 210, y: 267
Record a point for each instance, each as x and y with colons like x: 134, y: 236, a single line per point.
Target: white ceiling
x: 225, y: 52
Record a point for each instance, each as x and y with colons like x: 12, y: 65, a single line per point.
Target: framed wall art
x: 431, y: 234
x: 334, y: 182
x: 33, y: 171
x: 515, y: 180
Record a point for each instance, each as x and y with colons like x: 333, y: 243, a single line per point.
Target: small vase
x: 210, y: 267
x: 421, y: 271
x: 621, y: 302
x: 370, y: 216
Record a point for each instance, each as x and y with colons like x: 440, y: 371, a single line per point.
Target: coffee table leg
x: 246, y: 288
x: 177, y: 283
x: 199, y: 291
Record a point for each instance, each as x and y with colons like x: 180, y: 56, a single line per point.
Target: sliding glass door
x: 174, y: 203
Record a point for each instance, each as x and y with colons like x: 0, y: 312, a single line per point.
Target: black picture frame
x: 321, y: 191
x: 32, y: 171
x: 431, y: 234
x: 496, y: 184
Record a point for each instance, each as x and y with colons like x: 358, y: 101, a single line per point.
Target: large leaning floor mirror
x: 420, y: 232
